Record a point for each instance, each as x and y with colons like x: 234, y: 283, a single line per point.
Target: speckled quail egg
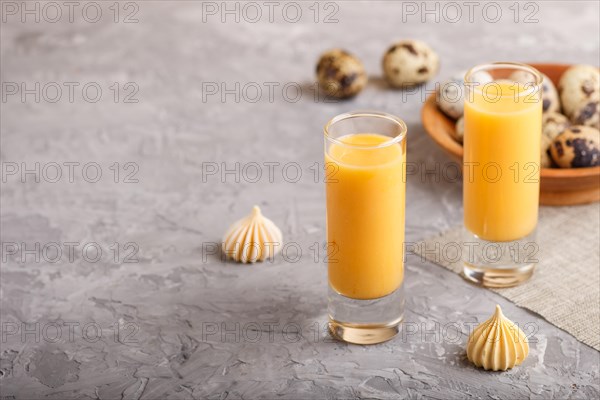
x: 340, y: 74
x: 460, y: 129
x: 553, y: 124
x: 546, y: 161
x: 450, y: 95
x: 578, y: 146
x: 578, y: 86
x: 588, y: 114
x: 409, y: 62
x: 550, y: 100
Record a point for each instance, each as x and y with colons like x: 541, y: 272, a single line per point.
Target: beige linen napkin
x: 565, y: 287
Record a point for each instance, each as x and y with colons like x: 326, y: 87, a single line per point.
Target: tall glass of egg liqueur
x: 501, y: 173
x: 365, y: 168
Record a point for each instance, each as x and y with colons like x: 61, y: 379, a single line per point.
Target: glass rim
x: 539, y: 79
x: 362, y: 114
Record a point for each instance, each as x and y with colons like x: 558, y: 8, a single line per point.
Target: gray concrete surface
x: 179, y: 323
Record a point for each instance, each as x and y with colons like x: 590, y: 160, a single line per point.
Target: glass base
x: 499, y: 264
x: 498, y: 277
x: 365, y: 321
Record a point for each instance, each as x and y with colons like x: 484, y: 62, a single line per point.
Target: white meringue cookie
x: 251, y: 239
x: 497, y: 344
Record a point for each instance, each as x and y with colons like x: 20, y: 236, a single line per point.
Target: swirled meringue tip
x: 497, y: 344
x: 252, y: 238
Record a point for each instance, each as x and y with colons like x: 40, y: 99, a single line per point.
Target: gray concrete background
x: 168, y: 307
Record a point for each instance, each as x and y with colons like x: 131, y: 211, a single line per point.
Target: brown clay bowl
x: 558, y: 186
